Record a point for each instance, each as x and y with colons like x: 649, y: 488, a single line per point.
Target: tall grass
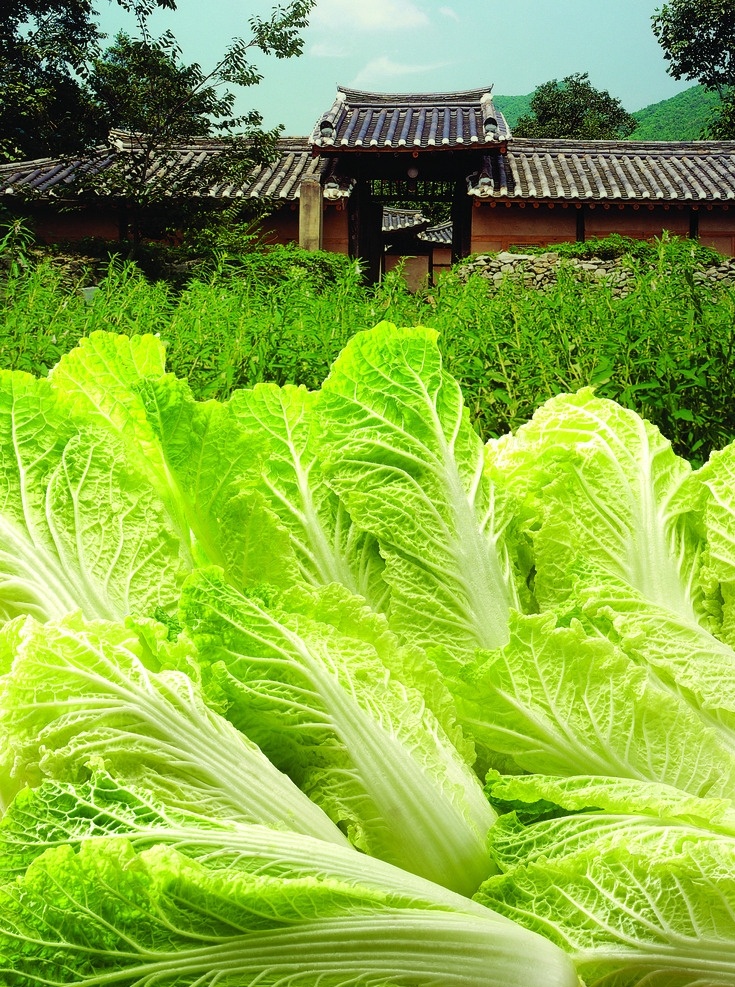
x: 665, y: 350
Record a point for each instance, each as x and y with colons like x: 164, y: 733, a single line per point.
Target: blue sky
x: 432, y: 46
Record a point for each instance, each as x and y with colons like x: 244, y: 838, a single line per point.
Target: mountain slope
x: 682, y: 117
x: 513, y: 107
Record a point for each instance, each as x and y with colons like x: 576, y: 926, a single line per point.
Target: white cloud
x: 368, y: 15
x: 330, y: 49
x: 377, y: 70
x: 449, y: 12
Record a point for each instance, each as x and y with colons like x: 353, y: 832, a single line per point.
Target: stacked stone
x: 540, y: 270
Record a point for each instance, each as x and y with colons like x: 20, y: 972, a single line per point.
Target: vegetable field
x: 666, y: 350
x: 352, y: 637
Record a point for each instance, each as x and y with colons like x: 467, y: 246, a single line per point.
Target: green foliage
x: 684, y: 117
x: 615, y: 245
x: 44, y: 107
x: 698, y: 40
x: 16, y: 240
x: 513, y: 107
x: 574, y: 109
x: 435, y: 211
x: 721, y: 125
x: 316, y: 271
x: 139, y: 84
x: 667, y: 349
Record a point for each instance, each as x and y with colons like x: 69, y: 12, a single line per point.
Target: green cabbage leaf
x: 560, y: 699
x: 107, y: 914
x: 638, y: 890
x: 74, y: 691
x: 80, y: 527
x: 400, y: 452
x: 326, y: 705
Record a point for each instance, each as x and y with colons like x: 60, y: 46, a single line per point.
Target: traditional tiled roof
x: 396, y: 220
x: 439, y: 234
x: 698, y: 171
x: 381, y: 121
x: 49, y: 175
x: 280, y: 179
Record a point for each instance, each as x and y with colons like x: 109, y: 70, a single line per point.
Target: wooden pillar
x: 461, y: 223
x: 371, y: 239
x: 580, y: 224
x: 693, y: 223
x: 310, y: 214
x: 366, y: 234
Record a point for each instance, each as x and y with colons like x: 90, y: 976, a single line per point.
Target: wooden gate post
x: 310, y: 214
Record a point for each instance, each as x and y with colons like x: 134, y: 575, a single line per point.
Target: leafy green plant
x: 16, y: 239
x: 665, y: 349
x: 285, y: 637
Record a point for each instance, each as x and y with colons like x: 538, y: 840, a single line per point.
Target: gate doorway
x: 422, y: 226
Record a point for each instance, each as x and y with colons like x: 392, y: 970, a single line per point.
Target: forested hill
x: 513, y: 107
x: 680, y: 118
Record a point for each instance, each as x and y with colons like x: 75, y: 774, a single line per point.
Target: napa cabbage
x: 336, y: 709
x: 636, y: 884
x: 80, y: 526
x: 400, y: 452
x: 107, y: 913
x: 257, y: 658
x: 73, y: 691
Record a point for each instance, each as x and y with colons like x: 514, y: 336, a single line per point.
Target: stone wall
x: 539, y: 270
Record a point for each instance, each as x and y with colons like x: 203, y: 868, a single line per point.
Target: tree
x: 141, y: 85
x: 59, y: 90
x: 43, y: 106
x: 698, y: 42
x: 575, y: 110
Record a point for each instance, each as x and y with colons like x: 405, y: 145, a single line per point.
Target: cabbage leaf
x: 398, y: 449
x: 326, y: 708
x: 80, y: 527
x: 106, y: 914
x: 639, y: 892
x: 75, y: 691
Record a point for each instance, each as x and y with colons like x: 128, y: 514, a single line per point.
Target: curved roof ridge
x: 459, y: 96
x: 358, y: 120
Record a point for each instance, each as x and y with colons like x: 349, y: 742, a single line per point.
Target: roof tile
x: 417, y: 120
x: 604, y: 170
x: 278, y: 179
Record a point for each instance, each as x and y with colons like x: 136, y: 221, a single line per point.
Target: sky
x: 410, y: 46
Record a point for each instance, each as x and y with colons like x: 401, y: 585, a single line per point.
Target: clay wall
x: 282, y: 225
x: 335, y: 230
x: 639, y: 221
x: 441, y: 261
x: 415, y: 269
x: 717, y: 228
x: 497, y: 226
x: 52, y: 226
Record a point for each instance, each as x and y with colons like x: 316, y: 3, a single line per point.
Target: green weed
x: 666, y: 349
